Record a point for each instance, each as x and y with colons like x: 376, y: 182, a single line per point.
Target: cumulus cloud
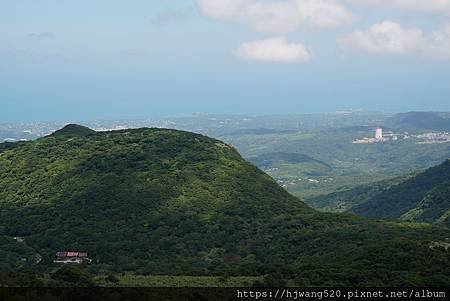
x: 384, y: 37
x: 438, y: 45
x: 277, y: 15
x: 417, y: 5
x: 390, y: 37
x: 274, y: 50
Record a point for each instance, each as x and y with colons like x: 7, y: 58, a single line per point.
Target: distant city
x: 424, y: 138
x: 208, y: 124
x: 219, y: 125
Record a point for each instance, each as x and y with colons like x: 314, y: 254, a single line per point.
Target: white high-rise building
x: 379, y: 134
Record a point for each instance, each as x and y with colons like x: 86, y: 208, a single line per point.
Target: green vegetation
x: 130, y: 280
x: 351, y: 164
x: 72, y: 275
x: 15, y: 256
x: 435, y: 207
x: 424, y: 197
x: 275, y: 160
x: 345, y: 200
x: 421, y: 197
x: 325, y: 138
x: 157, y: 202
x: 73, y: 130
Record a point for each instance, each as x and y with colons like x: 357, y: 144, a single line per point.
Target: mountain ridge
x: 168, y: 202
x: 400, y: 199
x: 418, y: 121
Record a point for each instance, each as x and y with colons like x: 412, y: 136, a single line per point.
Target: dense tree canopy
x: 424, y: 197
x: 166, y: 202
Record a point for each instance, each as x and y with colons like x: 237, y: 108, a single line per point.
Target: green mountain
x: 167, y: 202
x: 73, y: 130
x: 424, y: 197
x: 419, y: 121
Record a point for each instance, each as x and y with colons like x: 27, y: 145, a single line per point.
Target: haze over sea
x: 65, y: 60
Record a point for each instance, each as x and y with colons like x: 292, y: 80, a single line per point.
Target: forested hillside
x: 418, y: 197
x: 424, y: 197
x: 166, y: 202
x: 342, y: 201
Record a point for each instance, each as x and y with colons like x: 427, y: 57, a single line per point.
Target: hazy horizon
x: 210, y: 114
x: 110, y: 60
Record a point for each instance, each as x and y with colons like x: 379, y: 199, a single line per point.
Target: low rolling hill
x: 419, y: 121
x: 167, y: 202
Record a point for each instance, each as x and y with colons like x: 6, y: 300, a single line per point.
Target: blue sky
x: 105, y: 59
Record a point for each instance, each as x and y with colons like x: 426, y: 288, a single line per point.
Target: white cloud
x: 390, y: 37
x: 384, y: 37
x: 416, y: 5
x: 438, y: 46
x: 274, y: 50
x: 277, y: 16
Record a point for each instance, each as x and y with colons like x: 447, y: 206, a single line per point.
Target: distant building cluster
x: 286, y: 183
x: 432, y: 138
x: 72, y: 257
x: 115, y: 128
x: 381, y: 136
x: 425, y: 138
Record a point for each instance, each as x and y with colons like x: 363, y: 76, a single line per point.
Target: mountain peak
x: 73, y: 130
